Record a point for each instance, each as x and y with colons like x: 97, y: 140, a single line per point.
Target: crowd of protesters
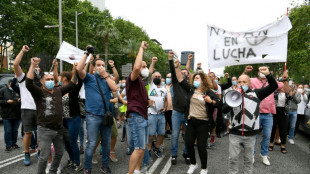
x: 52, y: 109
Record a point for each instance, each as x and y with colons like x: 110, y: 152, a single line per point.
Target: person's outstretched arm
x: 138, y: 63
x: 17, y: 69
x: 115, y: 73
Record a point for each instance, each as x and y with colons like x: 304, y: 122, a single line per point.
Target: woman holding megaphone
x: 201, y: 102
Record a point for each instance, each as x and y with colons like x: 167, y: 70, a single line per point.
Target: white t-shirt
x: 27, y: 101
x: 124, y: 93
x: 219, y: 89
x: 158, y: 95
x: 281, y: 99
x: 302, y: 105
x: 82, y: 92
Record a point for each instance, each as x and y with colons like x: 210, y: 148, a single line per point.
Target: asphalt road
x: 296, y: 161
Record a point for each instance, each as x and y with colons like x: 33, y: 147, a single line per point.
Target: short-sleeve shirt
x: 27, y: 101
x: 137, y: 98
x: 93, y: 102
x: 158, y: 95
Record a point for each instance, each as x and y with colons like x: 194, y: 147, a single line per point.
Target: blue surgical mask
x: 216, y: 81
x: 97, y: 72
x: 234, y: 82
x: 60, y: 83
x: 196, y: 84
x: 163, y: 83
x: 124, y: 85
x: 245, y: 88
x: 49, y: 85
x: 168, y: 81
x: 119, y: 85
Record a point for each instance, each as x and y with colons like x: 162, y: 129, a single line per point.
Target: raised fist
x: 35, y: 61
x: 171, y: 54
x: 55, y: 62
x: 154, y: 59
x: 264, y: 70
x: 25, y: 48
x: 177, y: 63
x: 144, y: 45
x: 190, y: 56
x: 90, y: 49
x: 111, y: 63
x: 248, y: 69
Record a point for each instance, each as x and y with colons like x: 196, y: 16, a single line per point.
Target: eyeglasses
x: 46, y: 73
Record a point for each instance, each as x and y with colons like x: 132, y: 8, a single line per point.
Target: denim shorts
x: 157, y: 124
x: 138, y: 127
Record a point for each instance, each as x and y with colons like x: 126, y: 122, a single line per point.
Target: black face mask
x: 156, y: 81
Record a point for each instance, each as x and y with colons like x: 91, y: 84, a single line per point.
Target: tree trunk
x: 106, y: 52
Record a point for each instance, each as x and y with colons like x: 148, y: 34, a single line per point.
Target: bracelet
x: 112, y: 66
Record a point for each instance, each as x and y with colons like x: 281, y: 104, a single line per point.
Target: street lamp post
x: 76, y: 29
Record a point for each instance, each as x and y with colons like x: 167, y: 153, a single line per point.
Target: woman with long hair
x: 201, y: 102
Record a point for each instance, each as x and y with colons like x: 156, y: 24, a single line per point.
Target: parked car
x: 4, y: 78
x: 304, y: 126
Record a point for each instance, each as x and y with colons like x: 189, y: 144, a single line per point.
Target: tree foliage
x: 22, y: 22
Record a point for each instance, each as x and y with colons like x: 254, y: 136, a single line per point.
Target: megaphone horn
x: 233, y: 98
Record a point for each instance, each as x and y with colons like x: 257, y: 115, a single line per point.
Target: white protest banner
x: 70, y: 53
x: 264, y: 44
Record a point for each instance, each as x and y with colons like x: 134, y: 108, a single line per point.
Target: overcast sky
x: 181, y: 25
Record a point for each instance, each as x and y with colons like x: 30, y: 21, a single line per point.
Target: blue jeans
x: 81, y: 133
x: 265, y: 120
x: 177, y: 119
x: 93, y: 126
x: 293, y: 117
x: 10, y: 131
x: 73, y: 126
x: 138, y: 128
x: 157, y: 124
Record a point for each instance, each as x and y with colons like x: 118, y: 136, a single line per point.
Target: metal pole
x: 60, y: 31
x: 76, y: 30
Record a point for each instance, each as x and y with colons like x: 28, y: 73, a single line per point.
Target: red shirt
x: 136, y: 97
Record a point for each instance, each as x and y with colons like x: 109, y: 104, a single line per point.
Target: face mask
x: 156, y: 81
x: 97, y: 72
x: 119, y: 85
x: 306, y: 89
x: 245, y: 88
x: 124, y: 85
x: 234, y: 82
x: 299, y: 90
x: 216, y: 81
x: 262, y: 75
x: 60, y: 83
x: 145, y: 73
x: 168, y: 81
x: 196, y: 84
x: 163, y: 83
x: 49, y: 85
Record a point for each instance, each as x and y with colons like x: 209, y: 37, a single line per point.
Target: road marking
x: 155, y: 165
x: 19, y: 159
x: 4, y: 161
x: 166, y: 167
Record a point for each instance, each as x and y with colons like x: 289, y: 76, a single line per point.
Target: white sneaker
x: 137, y: 172
x: 265, y: 160
x: 204, y: 171
x: 48, y: 167
x: 291, y: 141
x: 192, y: 168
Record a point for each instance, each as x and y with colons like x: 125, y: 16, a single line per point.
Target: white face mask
x: 299, y: 90
x: 262, y: 75
x: 145, y: 73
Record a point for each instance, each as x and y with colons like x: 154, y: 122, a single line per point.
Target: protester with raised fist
x: 136, y: 114
x: 28, y: 106
x: 48, y: 100
x: 245, y: 122
x: 266, y: 110
x: 179, y: 109
x: 98, y: 117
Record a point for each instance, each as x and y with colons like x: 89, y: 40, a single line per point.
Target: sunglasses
x: 46, y: 73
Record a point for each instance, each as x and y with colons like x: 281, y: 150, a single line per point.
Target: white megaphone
x: 233, y: 98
